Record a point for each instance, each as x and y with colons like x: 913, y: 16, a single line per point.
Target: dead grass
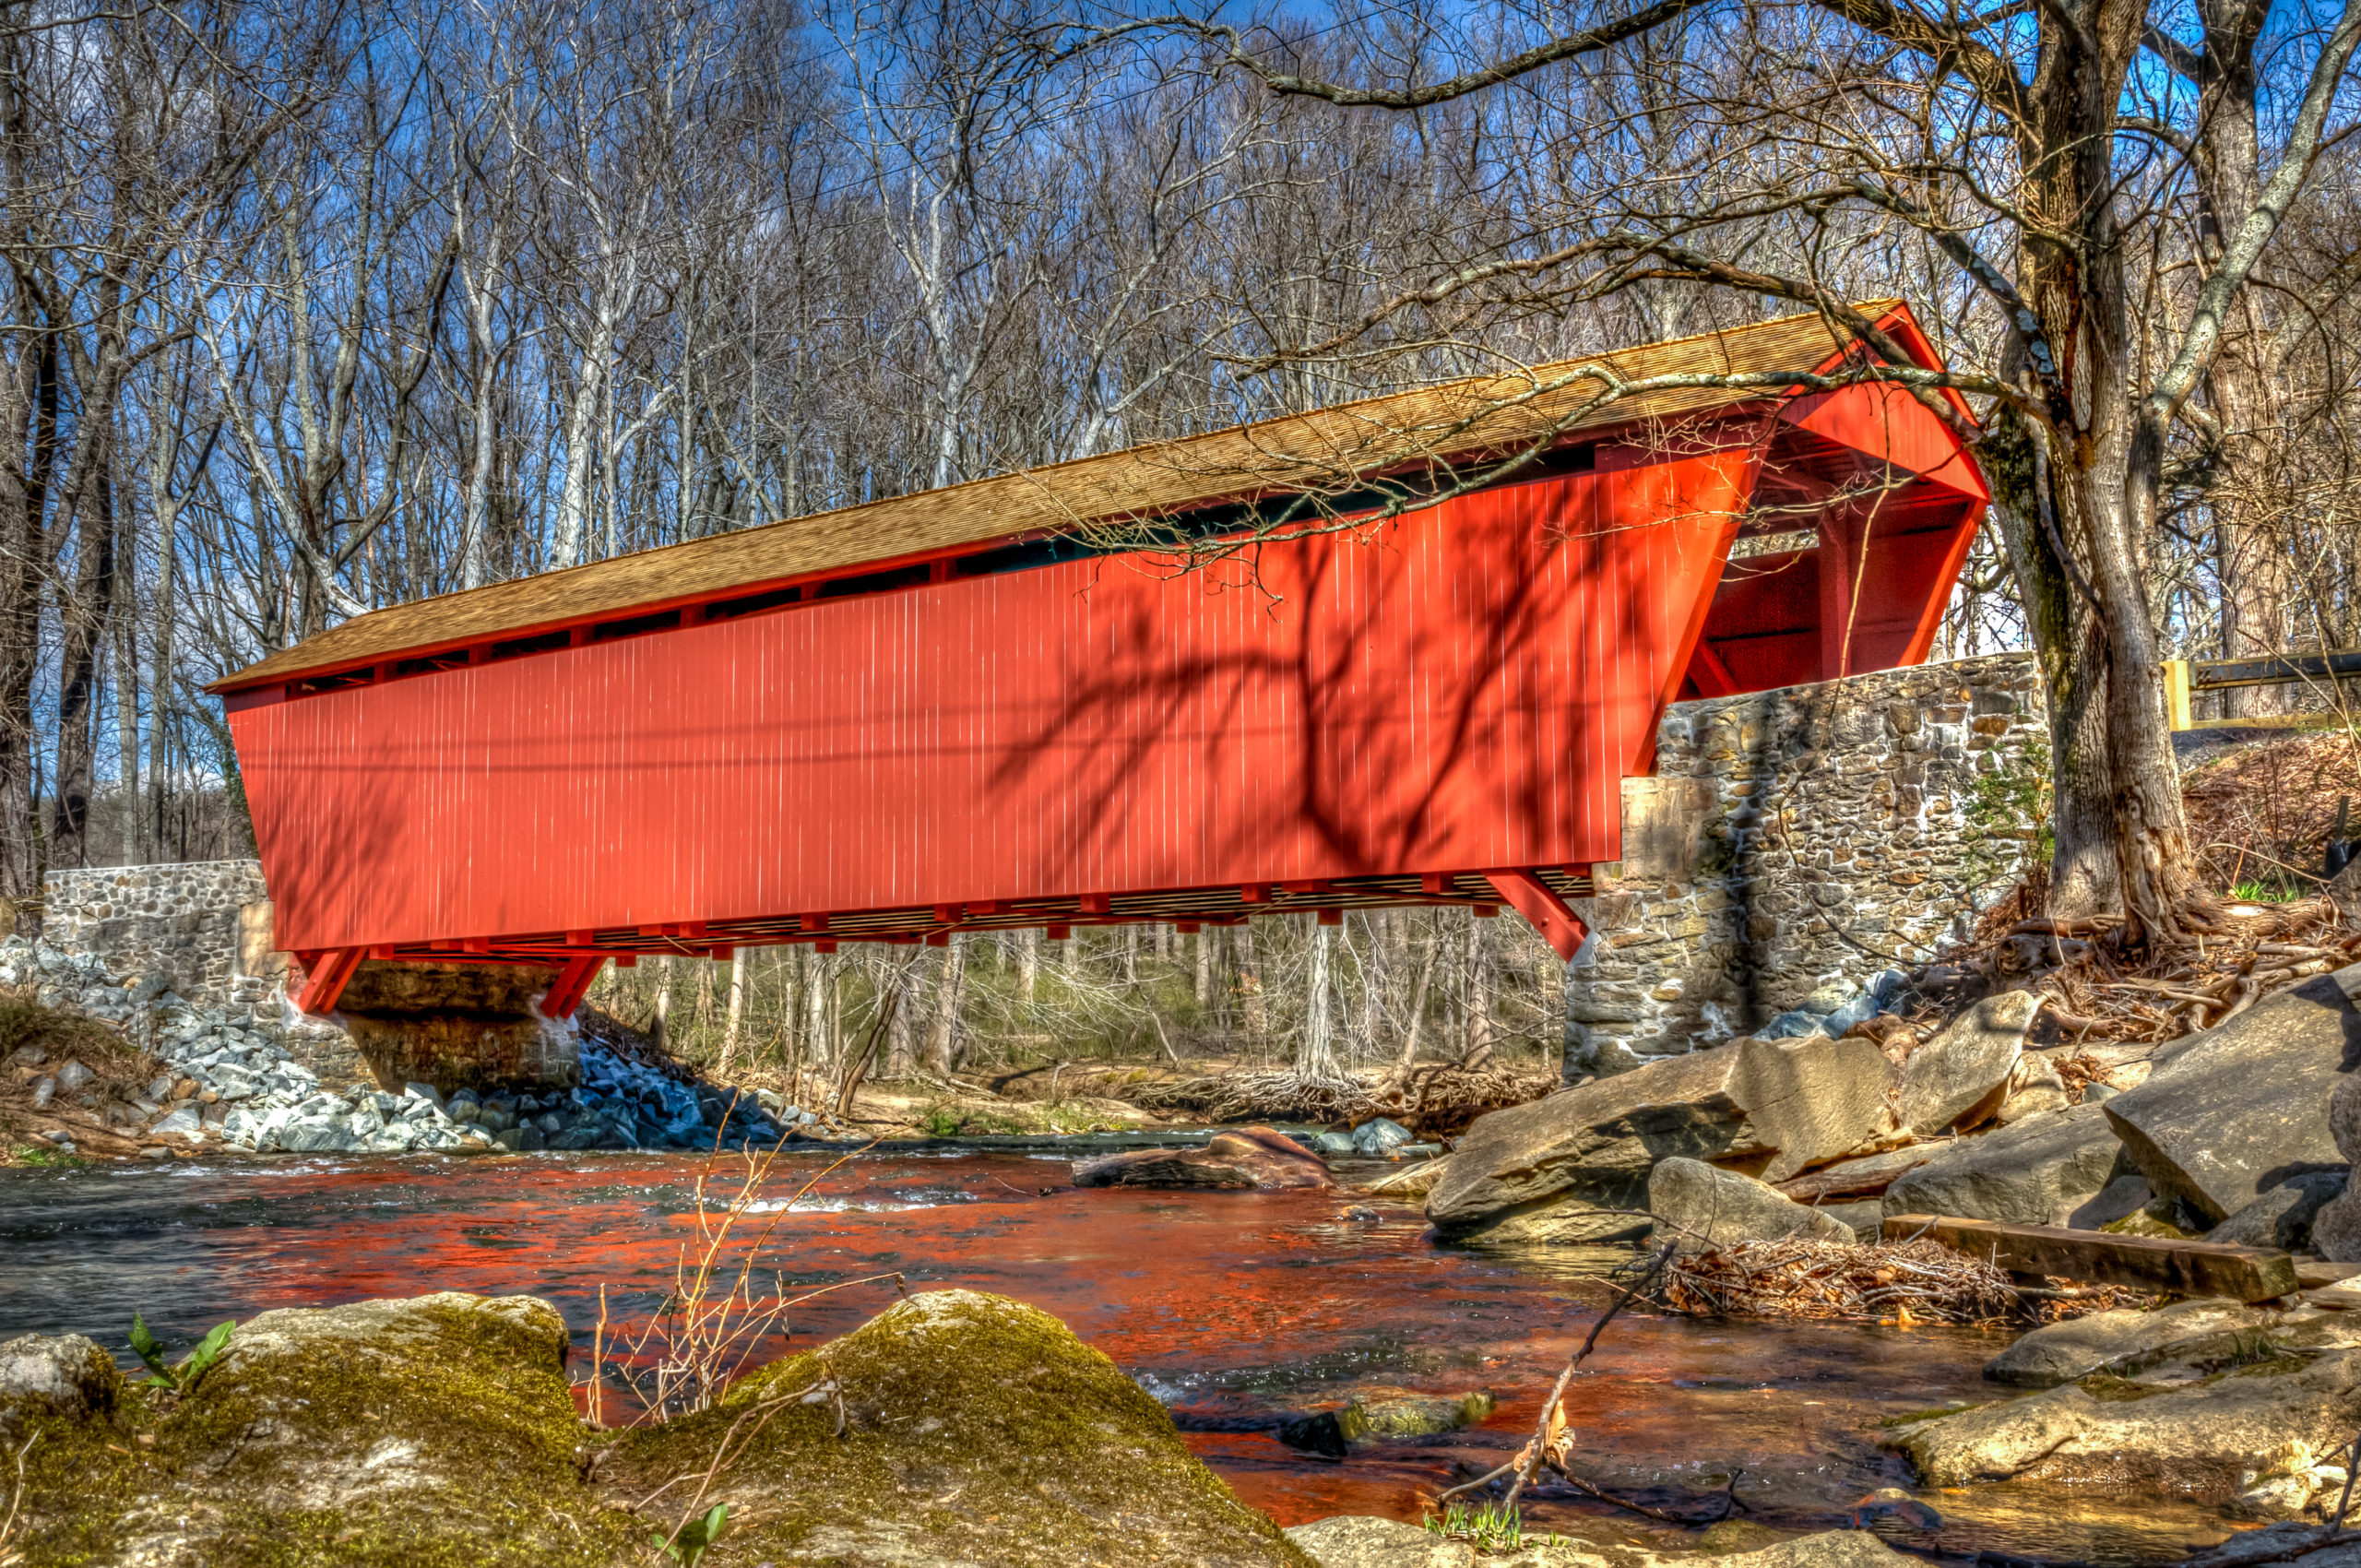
x: 122, y: 1072
x: 1430, y: 1097
x: 2263, y: 813
x: 728, y: 1297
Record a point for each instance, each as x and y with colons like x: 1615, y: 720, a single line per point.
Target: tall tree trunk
x: 1317, y: 1056
x: 160, y: 679
x: 83, y: 617
x: 1252, y: 1004
x: 1476, y: 1048
x: 2072, y: 652
x: 127, y: 735
x: 736, y: 1011
x: 942, y: 1027
x: 661, y: 1027
x: 2104, y: 459
x: 1418, y: 997
x: 2249, y: 557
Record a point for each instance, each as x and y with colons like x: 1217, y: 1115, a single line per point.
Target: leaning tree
x: 2089, y: 192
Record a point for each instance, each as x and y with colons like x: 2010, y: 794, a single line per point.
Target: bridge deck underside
x: 1188, y: 908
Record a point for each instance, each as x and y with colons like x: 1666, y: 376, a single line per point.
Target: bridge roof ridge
x: 1287, y: 454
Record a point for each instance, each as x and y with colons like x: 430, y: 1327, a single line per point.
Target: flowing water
x: 1226, y: 1305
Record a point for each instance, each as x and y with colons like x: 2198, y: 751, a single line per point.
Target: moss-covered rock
x: 413, y: 1432
x: 977, y: 1431
x: 441, y: 1431
x: 2201, y: 1440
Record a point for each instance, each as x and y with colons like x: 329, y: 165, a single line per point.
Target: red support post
x: 1551, y: 916
x: 572, y: 985
x: 324, y: 978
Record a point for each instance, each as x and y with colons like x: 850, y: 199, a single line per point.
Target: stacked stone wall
x: 184, y: 921
x: 1794, y: 844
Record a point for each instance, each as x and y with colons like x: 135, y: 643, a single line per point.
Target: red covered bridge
x: 1002, y: 704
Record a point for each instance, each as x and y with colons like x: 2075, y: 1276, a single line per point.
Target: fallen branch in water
x: 1549, y: 1432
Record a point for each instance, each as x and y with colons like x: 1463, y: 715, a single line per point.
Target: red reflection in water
x: 1256, y: 1302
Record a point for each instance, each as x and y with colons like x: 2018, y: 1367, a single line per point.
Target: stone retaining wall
x: 187, y: 920
x: 1793, y: 844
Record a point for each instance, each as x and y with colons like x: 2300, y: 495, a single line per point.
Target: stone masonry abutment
x: 1792, y: 845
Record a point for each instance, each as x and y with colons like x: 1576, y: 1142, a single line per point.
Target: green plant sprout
x: 182, y: 1378
x: 1493, y: 1529
x: 695, y: 1538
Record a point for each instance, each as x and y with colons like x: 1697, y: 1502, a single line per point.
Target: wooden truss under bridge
x: 1017, y: 703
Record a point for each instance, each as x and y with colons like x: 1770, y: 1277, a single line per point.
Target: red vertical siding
x: 1465, y: 689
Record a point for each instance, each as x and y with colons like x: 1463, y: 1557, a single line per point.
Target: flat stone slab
x: 2188, y: 1269
x: 2233, y: 1112
x: 2041, y: 1171
x: 2061, y: 1352
x: 2195, y: 1441
x: 1867, y: 1177
x: 1966, y: 1068
x: 1799, y: 1101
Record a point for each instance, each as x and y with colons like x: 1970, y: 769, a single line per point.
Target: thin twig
x: 1529, y: 1460
x: 16, y: 1501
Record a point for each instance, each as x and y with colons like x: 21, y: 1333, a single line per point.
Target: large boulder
x: 1548, y: 1169
x: 955, y: 1428
x: 2204, y: 1440
x: 1961, y: 1077
x: 1244, y: 1159
x: 2074, y: 1347
x: 1701, y: 1206
x: 2041, y: 1171
x: 2284, y: 1215
x: 977, y: 1430
x: 2229, y: 1113
x: 382, y: 1432
x: 2336, y: 1227
x: 1810, y: 1100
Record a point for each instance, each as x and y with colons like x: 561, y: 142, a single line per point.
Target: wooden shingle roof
x: 1275, y: 457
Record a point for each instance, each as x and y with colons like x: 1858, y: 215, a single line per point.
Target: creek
x: 1226, y: 1305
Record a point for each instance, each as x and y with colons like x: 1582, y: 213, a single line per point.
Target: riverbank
x: 1233, y: 1310
x: 953, y: 1427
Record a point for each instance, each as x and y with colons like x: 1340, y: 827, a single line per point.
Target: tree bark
x: 736, y: 1011
x: 2071, y: 653
x: 943, y: 1028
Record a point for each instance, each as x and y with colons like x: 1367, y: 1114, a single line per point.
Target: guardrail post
x: 2176, y: 692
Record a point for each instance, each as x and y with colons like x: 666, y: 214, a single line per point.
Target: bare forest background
x: 313, y: 306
